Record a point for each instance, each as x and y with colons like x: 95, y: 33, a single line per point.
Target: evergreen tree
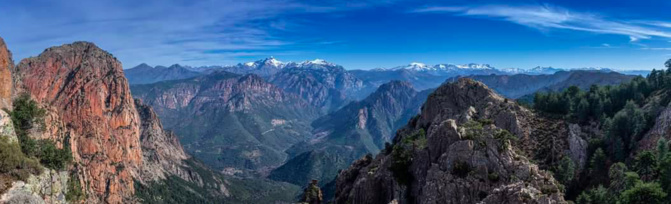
x: 598, y: 165
x: 565, y: 171
x: 617, y: 176
x: 644, y: 193
x: 665, y: 173
x: 645, y: 164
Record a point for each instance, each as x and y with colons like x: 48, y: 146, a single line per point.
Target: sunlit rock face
x: 85, y: 91
x: 6, y: 64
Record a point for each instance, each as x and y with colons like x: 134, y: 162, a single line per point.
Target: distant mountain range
x: 422, y: 76
x: 145, y: 74
x: 519, y: 85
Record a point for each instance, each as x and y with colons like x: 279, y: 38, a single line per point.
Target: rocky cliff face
x: 7, y: 127
x: 83, y: 87
x: 322, y: 84
x: 458, y: 150
x: 231, y: 122
x: 162, y: 154
x: 48, y: 187
x: 6, y: 65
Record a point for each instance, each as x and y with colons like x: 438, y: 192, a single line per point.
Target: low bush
x: 14, y: 163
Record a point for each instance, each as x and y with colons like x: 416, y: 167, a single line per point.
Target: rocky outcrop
x: 6, y: 65
x: 84, y: 88
x: 162, y: 154
x: 661, y: 129
x: 577, y: 146
x: 312, y: 194
x: 48, y: 187
x: 458, y: 150
x: 7, y: 127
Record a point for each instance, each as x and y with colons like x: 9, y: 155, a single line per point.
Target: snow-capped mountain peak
x: 318, y: 61
x: 274, y: 62
x: 417, y: 64
x: 264, y: 62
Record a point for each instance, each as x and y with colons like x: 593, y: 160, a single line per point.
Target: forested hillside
x: 629, y: 162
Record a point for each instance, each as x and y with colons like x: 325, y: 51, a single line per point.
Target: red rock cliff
x: 5, y: 76
x: 85, y: 87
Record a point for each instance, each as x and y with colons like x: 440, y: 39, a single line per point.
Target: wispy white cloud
x: 161, y: 31
x: 546, y: 17
x: 657, y: 48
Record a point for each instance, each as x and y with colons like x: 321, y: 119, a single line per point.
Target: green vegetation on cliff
x: 624, y: 113
x: 26, y: 115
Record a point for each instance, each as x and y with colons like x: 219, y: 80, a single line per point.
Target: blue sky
x: 359, y: 34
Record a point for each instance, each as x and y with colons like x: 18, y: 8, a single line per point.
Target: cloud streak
x: 161, y: 31
x: 546, y: 17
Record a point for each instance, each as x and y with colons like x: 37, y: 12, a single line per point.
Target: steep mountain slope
x: 456, y: 151
x: 145, y: 74
x: 516, y: 86
x: 6, y: 65
x: 169, y: 175
x: 322, y: 84
x: 355, y: 130
x: 231, y: 122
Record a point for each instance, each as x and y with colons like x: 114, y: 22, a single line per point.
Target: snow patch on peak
x: 417, y: 64
x: 274, y: 62
x: 318, y: 61
x: 250, y: 64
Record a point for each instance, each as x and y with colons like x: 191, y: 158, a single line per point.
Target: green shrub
x: 402, y: 155
x: 485, y: 122
x: 52, y: 157
x: 644, y: 193
x: 473, y: 130
x: 565, y: 171
x: 25, y: 116
x: 505, y: 138
x: 14, y: 163
x: 401, y: 160
x: 461, y: 169
x: 74, y: 191
x: 493, y: 176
